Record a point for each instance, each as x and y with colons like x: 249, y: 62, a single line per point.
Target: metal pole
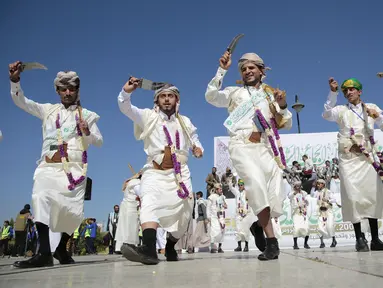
x: 299, y: 125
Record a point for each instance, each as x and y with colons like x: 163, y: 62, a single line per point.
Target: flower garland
x: 72, y: 182
x: 281, y: 160
x: 279, y: 155
x: 377, y: 166
x: 221, y: 212
x: 242, y: 212
x: 182, y: 190
x: 302, y: 210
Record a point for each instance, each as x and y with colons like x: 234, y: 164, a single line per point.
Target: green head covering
x: 240, y: 182
x: 352, y: 82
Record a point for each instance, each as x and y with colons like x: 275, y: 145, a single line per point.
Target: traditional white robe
x: 159, y: 200
x: 128, y: 222
x: 299, y: 203
x: 360, y: 186
x: 161, y: 238
x: 326, y: 221
x: 216, y: 214
x: 53, y: 203
x: 253, y: 161
x: 244, y: 215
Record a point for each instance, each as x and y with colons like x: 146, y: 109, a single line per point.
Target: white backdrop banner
x: 317, y: 146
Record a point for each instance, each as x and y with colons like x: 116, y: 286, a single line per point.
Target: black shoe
x: 296, y: 247
x: 246, y: 249
x: 238, y: 249
x: 220, y: 250
x: 63, y: 257
x: 272, y: 250
x: 333, y: 244
x: 376, y: 245
x: 140, y: 254
x: 213, y: 250
x: 361, y: 246
x: 307, y: 246
x: 39, y: 260
x: 170, y: 253
x: 257, y: 232
x: 322, y: 245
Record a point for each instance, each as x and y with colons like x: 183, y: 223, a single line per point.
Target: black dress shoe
x: 260, y: 240
x: 238, y: 249
x: 295, y: 247
x: 220, y: 250
x: 246, y: 249
x: 63, y: 257
x: 142, y: 254
x: 361, y: 245
x: 306, y: 246
x: 213, y: 250
x: 39, y: 260
x: 171, y: 253
x: 376, y: 245
x: 322, y: 245
x: 272, y: 250
x: 333, y: 244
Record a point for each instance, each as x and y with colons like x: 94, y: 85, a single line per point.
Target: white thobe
x: 360, y: 186
x: 216, y: 214
x: 244, y: 220
x: 298, y: 202
x: 128, y: 222
x: 159, y: 200
x: 53, y: 203
x: 253, y: 161
x: 326, y: 221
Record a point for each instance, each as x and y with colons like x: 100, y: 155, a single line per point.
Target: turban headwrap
x: 241, y: 182
x: 321, y: 181
x: 351, y: 83
x: 297, y: 183
x: 253, y: 58
x: 67, y: 78
x: 169, y: 88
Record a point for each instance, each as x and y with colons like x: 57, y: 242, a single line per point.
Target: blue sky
x: 305, y: 42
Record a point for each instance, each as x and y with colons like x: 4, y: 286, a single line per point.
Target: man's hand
x: 84, y: 127
x: 197, y: 152
x: 225, y: 61
x: 373, y: 113
x: 333, y: 84
x: 14, y: 71
x: 131, y: 85
x: 280, y: 97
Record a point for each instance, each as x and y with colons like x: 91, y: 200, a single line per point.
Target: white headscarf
x: 170, y: 88
x: 253, y: 58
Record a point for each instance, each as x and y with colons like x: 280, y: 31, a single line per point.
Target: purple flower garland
x: 72, y: 182
x: 183, y: 191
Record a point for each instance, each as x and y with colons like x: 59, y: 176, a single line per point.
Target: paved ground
x: 339, y: 267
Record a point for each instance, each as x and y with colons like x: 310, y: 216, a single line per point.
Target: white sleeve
x: 95, y: 138
x: 136, y: 190
x: 126, y: 107
x: 29, y: 106
x: 331, y: 111
x: 213, y: 95
x: 194, y: 136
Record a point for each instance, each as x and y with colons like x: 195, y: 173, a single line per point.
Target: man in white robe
x: 128, y: 224
x: 249, y: 146
x: 111, y: 227
x: 326, y: 221
x: 244, y: 218
x: 201, y: 237
x: 216, y: 207
x: 360, y: 174
x: 166, y: 189
x: 298, y: 204
x: 60, y: 178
